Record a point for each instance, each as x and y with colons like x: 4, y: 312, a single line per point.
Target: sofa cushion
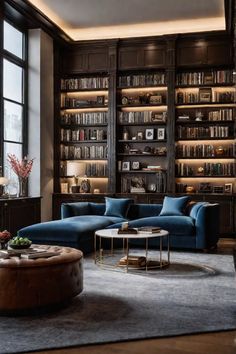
x: 174, y: 206
x: 137, y: 211
x: 117, y: 206
x: 70, y: 229
x: 174, y: 224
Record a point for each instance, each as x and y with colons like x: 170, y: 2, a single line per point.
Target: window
x: 13, y: 98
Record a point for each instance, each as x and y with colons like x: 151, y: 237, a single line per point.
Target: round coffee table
x: 35, y: 283
x: 112, y: 234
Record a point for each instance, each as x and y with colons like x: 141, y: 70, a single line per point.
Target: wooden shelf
x: 152, y: 87
x: 144, y: 155
x: 179, y: 105
x: 87, y: 159
x: 140, y: 171
x: 142, y: 124
x: 71, y: 126
x: 83, y: 142
x: 202, y: 122
x: 205, y: 157
x: 205, y: 176
x: 141, y: 105
x: 84, y: 90
x: 203, y: 138
x: 205, y: 85
x: 142, y: 141
x: 85, y: 107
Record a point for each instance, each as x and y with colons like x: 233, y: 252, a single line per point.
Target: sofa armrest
x: 207, y: 226
x: 74, y: 209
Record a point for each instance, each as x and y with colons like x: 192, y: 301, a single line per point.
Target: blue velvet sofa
x: 196, y: 228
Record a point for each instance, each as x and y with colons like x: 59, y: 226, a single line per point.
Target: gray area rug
x: 196, y: 294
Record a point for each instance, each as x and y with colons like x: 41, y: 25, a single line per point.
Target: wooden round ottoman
x: 35, y: 283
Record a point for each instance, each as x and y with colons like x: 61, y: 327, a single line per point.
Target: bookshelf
x: 142, y: 135
x: 205, y: 125
x: 83, y: 133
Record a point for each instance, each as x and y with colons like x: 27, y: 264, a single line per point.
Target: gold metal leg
x: 112, y: 247
x: 168, y: 248
x: 95, y: 249
x: 146, y: 254
x: 127, y: 255
x: 160, y: 252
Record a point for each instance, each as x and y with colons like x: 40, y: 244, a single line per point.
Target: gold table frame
x: 99, y: 255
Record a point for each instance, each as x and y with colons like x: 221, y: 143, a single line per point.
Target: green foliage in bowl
x: 19, y: 242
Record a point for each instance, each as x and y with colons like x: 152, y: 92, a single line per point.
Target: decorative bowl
x: 19, y: 247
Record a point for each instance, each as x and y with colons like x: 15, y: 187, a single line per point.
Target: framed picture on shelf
x: 205, y: 95
x: 135, y: 165
x: 228, y: 188
x: 125, y: 165
x: 149, y: 134
x: 100, y: 100
x: 159, y: 116
x: 208, y: 78
x: 161, y: 134
x: 155, y: 99
x: 140, y: 136
x: 205, y: 187
x: 64, y: 187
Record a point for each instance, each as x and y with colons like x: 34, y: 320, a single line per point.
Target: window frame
x: 23, y: 64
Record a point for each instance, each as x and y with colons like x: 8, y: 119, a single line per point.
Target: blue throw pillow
x: 117, y: 207
x: 174, y: 206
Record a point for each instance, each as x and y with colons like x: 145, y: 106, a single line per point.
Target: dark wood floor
x: 208, y: 343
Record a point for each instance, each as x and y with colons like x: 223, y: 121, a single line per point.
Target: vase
x: 22, y: 187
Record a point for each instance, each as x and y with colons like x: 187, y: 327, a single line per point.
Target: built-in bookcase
x: 205, y: 125
x: 141, y: 125
x: 83, y: 132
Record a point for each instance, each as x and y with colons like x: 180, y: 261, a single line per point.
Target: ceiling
x: 106, y: 19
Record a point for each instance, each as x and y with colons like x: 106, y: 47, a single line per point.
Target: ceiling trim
x: 35, y: 18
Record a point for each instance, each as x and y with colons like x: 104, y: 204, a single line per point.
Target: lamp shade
x: 76, y: 168
x: 3, y: 181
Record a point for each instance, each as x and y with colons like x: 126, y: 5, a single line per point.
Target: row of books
x: 205, y: 78
x: 68, y: 135
x: 142, y: 80
x: 84, y: 83
x: 203, y: 132
x: 208, y: 169
x: 96, y: 170
x: 221, y: 114
x: 84, y: 118
x: 215, y: 97
x: 73, y: 102
x: 83, y: 152
x: 142, y: 117
x: 204, y: 150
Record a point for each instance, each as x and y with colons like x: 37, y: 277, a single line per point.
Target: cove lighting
x: 133, y: 30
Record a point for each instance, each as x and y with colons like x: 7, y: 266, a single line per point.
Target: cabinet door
x: 192, y: 55
x: 85, y: 61
x: 226, y: 213
x: 20, y: 213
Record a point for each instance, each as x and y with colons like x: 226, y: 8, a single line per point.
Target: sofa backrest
x: 137, y: 211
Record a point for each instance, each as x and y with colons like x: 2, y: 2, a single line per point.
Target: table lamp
x: 3, y: 182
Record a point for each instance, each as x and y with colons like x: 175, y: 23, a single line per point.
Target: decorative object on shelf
x: 140, y: 135
x: 218, y: 189
x: 160, y: 151
x: 125, y: 100
x: 155, y: 99
x: 22, y: 169
x: 3, y: 182
x: 125, y: 135
x: 205, y: 95
x: 149, y: 134
x: 199, y: 115
x: 137, y: 185
x: 200, y: 170
x: 100, y: 100
x: 228, y: 188
x: 85, y: 185
x: 64, y: 187
x: 159, y: 116
x: 135, y: 165
x: 151, y: 187
x: 219, y: 150
x: 75, y: 189
x: 205, y: 187
x: 147, y: 150
x: 96, y: 191
x: 161, y: 134
x: 190, y: 189
x: 5, y: 236
x: 125, y: 165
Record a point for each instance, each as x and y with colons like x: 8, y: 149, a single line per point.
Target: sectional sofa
x: 191, y: 225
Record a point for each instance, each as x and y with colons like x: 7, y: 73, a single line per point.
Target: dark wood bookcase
x: 170, y: 119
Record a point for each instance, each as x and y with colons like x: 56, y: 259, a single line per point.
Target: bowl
x: 19, y: 247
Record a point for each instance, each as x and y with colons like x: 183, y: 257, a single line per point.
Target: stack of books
x: 133, y: 261
x: 149, y: 229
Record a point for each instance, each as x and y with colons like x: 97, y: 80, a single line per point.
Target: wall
x: 41, y: 118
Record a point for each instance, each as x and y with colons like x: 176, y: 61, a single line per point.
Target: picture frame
x: 149, y: 134
x: 100, y: 100
x: 126, y: 166
x: 205, y: 187
x: 155, y: 99
x: 161, y: 134
x: 228, y: 188
x: 139, y: 135
x: 135, y: 165
x: 159, y: 116
x: 205, y: 95
x: 64, y: 187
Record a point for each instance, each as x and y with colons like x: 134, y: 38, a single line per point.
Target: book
x: 127, y: 231
x: 135, y: 261
x: 149, y: 229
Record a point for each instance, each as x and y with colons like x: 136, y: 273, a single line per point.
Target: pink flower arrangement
x: 22, y: 168
x: 5, y: 236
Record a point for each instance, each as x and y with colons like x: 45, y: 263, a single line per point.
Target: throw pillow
x: 174, y: 206
x: 117, y: 207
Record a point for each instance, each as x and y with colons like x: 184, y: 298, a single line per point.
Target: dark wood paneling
x: 219, y: 54
x: 151, y: 56
x: 18, y: 213
x: 97, y: 61
x: 192, y: 55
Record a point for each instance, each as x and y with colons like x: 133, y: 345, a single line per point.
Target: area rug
x: 196, y: 294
